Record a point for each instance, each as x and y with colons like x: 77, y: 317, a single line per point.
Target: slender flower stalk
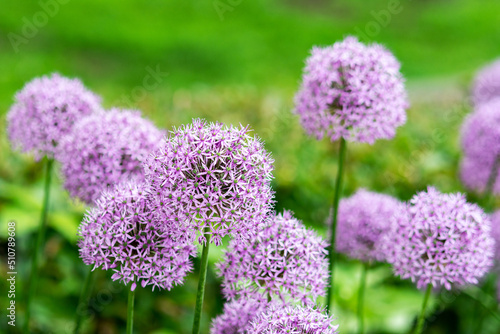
x: 39, y: 242
x: 201, y: 286
x: 336, y: 199
x: 130, y: 311
x: 84, y: 297
x: 361, y: 297
x: 421, y: 318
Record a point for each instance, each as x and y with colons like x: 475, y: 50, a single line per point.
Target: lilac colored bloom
x: 45, y: 110
x: 495, y: 233
x: 352, y: 90
x: 104, y: 149
x: 211, y: 179
x: 284, y: 260
x: 481, y: 146
x: 440, y: 239
x: 293, y: 319
x: 487, y: 84
x: 363, y: 220
x: 122, y: 234
x: 237, y: 316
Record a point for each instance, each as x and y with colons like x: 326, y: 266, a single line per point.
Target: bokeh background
x: 239, y: 61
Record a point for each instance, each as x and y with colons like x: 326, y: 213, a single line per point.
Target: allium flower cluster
x: 363, y: 220
x: 45, y: 110
x: 284, y: 261
x: 292, y: 319
x: 352, y: 90
x: 104, y: 149
x: 211, y: 179
x: 481, y: 147
x: 237, y: 316
x: 442, y: 240
x: 122, y: 234
x: 487, y: 84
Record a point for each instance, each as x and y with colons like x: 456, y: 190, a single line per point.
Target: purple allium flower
x: 284, y: 260
x: 495, y: 233
x: 440, y: 239
x: 237, y: 316
x: 104, y: 149
x: 487, y: 84
x: 45, y: 110
x: 279, y: 319
x: 352, y: 90
x: 121, y: 233
x: 481, y: 146
x: 211, y: 179
x: 363, y: 220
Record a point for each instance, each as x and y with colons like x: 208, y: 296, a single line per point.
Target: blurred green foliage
x: 243, y: 67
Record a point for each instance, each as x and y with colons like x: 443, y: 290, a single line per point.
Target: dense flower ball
x: 237, y: 316
x: 487, y: 84
x: 45, y: 110
x: 481, y: 147
x: 363, y: 220
x: 284, y: 261
x: 292, y: 319
x: 104, y: 149
x: 442, y: 240
x: 352, y: 90
x: 211, y: 179
x: 121, y: 233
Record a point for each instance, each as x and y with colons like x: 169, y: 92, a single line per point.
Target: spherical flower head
x: 285, y: 261
x: 279, y: 319
x: 45, y: 110
x: 481, y: 146
x: 237, y: 316
x: 363, y: 220
x: 440, y: 239
x: 104, y: 149
x: 211, y: 179
x: 122, y: 234
x: 487, y: 84
x: 353, y: 91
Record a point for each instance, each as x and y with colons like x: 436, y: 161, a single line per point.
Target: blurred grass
x: 243, y: 69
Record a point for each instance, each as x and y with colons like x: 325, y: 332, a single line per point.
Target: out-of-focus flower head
x: 440, y: 239
x: 45, y: 110
x: 486, y: 85
x: 352, y: 90
x: 211, y: 179
x: 481, y: 146
x: 237, y: 316
x: 121, y: 233
x: 104, y: 149
x: 363, y: 220
x: 284, y: 262
x: 280, y: 319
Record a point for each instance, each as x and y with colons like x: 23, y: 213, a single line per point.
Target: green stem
x: 336, y: 198
x: 421, y: 318
x: 361, y: 297
x: 130, y: 312
x: 37, y: 252
x: 201, y: 286
x: 84, y: 299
